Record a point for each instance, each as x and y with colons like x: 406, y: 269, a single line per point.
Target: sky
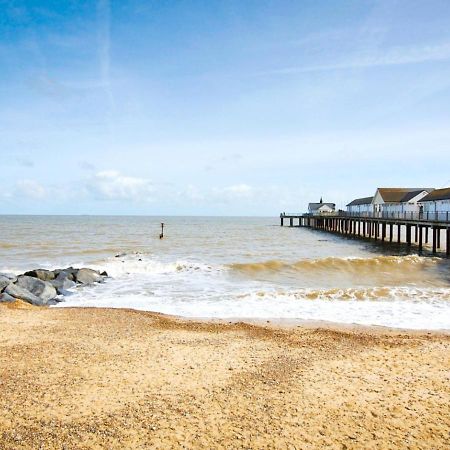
x: 248, y: 107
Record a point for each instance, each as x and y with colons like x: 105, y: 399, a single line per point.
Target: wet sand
x: 106, y: 378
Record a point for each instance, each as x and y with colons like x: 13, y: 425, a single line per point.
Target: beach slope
x: 105, y: 378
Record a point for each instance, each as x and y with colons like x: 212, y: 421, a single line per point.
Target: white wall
x: 360, y: 209
x: 406, y: 207
x: 377, y: 201
x: 437, y: 206
x: 325, y: 209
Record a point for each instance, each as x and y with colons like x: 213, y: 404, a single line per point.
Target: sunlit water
x: 234, y: 267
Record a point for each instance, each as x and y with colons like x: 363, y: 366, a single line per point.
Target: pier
x: 419, y: 229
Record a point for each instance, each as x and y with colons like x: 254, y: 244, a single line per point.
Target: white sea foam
x: 199, y: 290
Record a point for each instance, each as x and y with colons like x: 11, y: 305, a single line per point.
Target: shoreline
x: 280, y: 322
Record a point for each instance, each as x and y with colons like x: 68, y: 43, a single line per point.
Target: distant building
x: 362, y: 206
x: 321, y: 208
x: 397, y: 201
x: 437, y: 201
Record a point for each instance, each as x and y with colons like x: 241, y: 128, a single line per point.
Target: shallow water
x: 234, y: 267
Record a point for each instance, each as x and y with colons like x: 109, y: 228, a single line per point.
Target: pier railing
x: 426, y: 216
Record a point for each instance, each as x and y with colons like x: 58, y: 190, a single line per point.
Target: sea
x: 234, y: 268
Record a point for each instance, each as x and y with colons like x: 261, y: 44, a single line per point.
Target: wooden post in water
x: 162, y: 230
x: 434, y: 239
x: 420, y: 238
x: 408, y: 235
x: 447, y: 238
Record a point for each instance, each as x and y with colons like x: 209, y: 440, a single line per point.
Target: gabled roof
x: 316, y: 206
x: 437, y: 194
x: 399, y: 195
x: 361, y: 201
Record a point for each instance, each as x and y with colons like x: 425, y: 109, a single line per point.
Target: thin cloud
x: 112, y: 185
x: 25, y: 162
x: 104, y: 48
x: 31, y: 189
x: 393, y: 57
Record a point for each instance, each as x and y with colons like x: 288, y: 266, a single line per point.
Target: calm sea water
x: 233, y: 267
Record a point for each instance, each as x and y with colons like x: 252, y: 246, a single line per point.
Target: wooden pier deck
x: 409, y: 228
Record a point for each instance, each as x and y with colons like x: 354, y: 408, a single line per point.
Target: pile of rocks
x: 45, y: 287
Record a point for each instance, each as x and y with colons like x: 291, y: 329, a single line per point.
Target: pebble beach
x: 116, y: 378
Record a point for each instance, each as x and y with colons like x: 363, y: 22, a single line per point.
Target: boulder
x: 69, y: 273
x: 42, y: 289
x: 104, y: 273
x: 4, y: 282
x: 6, y: 298
x: 20, y: 293
x: 11, y: 276
x: 41, y: 274
x: 88, y: 276
x: 55, y: 301
x: 62, y: 284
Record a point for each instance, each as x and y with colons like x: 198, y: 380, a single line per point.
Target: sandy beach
x: 109, y: 378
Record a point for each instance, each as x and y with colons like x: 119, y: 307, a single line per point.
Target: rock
x: 4, y: 282
x: 41, y: 274
x: 55, y: 301
x: 104, y: 273
x: 62, y: 284
x: 88, y: 276
x: 6, y: 298
x: 69, y: 273
x: 42, y: 289
x: 6, y: 279
x: 20, y: 293
x: 64, y: 274
x: 11, y: 276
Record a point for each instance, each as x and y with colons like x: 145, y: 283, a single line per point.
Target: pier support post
x: 399, y: 233
x: 420, y: 238
x: 408, y: 235
x: 434, y: 239
x: 383, y: 231
x: 281, y: 221
x: 291, y: 222
x: 426, y: 235
x: 391, y: 231
x: 438, y: 237
x: 447, y: 239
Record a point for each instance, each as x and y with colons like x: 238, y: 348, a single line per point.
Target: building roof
x: 437, y: 194
x: 361, y: 201
x: 316, y: 206
x: 399, y: 195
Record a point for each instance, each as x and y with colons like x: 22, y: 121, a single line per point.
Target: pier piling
x: 378, y: 227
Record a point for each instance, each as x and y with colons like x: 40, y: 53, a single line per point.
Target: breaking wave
x: 350, y: 265
x: 384, y: 293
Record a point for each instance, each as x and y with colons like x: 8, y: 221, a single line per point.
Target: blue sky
x: 219, y: 107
